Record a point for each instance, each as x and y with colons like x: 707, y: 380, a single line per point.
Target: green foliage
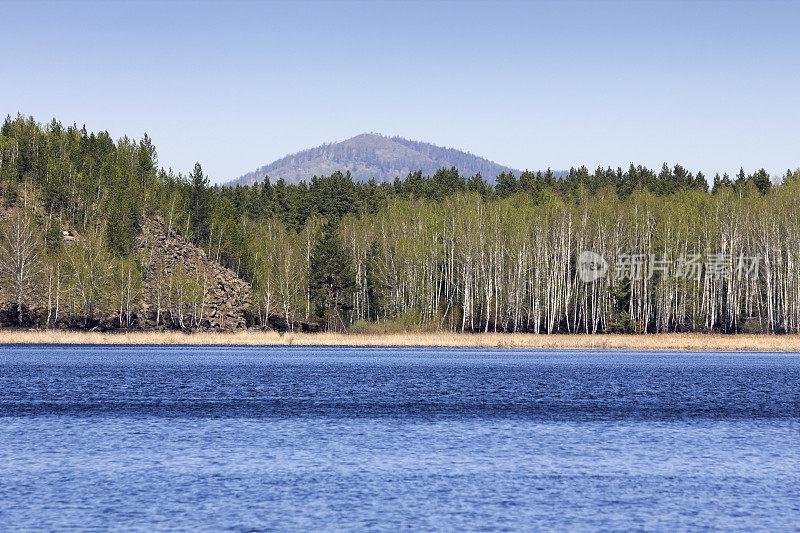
x: 54, y: 242
x: 200, y: 205
x: 122, y: 225
x: 620, y: 320
x: 753, y: 326
x: 375, y: 285
x: 432, y: 250
x: 762, y: 182
x: 506, y: 184
x: 331, y: 278
x: 91, y: 265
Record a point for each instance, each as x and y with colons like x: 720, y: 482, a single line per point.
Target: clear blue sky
x: 712, y: 85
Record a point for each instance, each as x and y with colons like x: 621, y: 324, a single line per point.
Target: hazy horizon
x: 709, y: 85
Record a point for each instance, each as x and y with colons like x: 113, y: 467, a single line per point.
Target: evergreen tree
x: 200, y: 205
x: 506, y: 184
x: 122, y: 224
x: 720, y: 183
x: 53, y: 237
x: 700, y: 182
x: 147, y: 160
x: 761, y: 181
x: 477, y: 184
x: 331, y: 279
x: 629, y: 182
x: 741, y: 181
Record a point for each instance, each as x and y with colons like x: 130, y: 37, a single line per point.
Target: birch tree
x: 20, y: 258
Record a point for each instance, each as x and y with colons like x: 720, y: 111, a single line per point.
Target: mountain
x: 370, y: 155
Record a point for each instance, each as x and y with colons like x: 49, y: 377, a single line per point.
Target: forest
x: 424, y: 253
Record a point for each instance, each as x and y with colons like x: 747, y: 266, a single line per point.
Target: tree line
x: 439, y: 252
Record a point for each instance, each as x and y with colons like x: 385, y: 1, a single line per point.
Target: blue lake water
x: 252, y: 439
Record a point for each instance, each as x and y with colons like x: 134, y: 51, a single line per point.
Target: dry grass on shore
x: 668, y: 341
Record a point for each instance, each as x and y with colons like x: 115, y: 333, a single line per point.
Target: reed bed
x: 666, y: 341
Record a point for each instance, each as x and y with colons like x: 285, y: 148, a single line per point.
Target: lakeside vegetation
x: 530, y: 341
x: 444, y: 252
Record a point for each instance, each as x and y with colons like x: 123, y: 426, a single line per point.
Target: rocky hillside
x: 176, y: 286
x: 174, y: 269
x: 370, y: 155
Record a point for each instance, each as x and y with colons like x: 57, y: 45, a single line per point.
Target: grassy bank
x: 670, y: 341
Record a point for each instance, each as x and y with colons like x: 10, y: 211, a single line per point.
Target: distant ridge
x: 371, y: 155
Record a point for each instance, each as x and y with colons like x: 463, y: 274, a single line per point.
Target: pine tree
x: 761, y: 181
x: 122, y: 224
x: 740, y: 183
x: 331, y: 278
x: 506, y: 184
x: 200, y: 205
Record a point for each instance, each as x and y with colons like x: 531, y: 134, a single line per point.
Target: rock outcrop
x: 181, y: 287
x: 212, y: 296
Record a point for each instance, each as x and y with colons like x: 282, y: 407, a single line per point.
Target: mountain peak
x: 372, y: 155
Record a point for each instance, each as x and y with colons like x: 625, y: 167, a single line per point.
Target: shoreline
x: 653, y: 341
